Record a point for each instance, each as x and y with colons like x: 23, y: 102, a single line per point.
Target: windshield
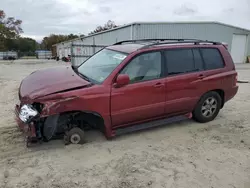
x: 99, y: 66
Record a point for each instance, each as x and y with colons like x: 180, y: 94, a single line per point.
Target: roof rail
x: 193, y: 41
x: 149, y: 40
x: 154, y: 42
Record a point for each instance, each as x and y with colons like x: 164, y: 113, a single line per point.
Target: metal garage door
x: 238, y: 49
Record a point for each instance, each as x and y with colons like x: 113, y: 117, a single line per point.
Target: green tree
x: 10, y: 28
x: 52, y: 39
x: 24, y: 46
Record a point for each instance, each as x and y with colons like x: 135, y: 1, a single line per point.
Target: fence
x: 43, y: 54
x: 8, y: 55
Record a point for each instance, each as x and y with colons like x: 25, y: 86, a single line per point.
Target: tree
x: 72, y: 36
x: 109, y: 25
x: 10, y: 28
x: 24, y: 46
x: 52, y: 39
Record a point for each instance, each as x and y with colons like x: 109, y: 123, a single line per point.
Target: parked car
x: 66, y: 59
x: 9, y: 58
x: 129, y: 86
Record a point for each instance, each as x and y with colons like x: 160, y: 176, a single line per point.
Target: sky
x: 43, y: 17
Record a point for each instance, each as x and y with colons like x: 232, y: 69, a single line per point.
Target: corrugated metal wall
x: 82, y: 52
x: 204, y: 31
x: 60, y: 49
x: 104, y: 38
x: 107, y: 38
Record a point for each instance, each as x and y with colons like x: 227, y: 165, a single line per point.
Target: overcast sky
x: 43, y: 17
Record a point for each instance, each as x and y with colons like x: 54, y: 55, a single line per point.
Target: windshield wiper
x: 80, y: 74
x: 83, y: 76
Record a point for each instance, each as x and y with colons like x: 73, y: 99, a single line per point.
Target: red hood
x: 48, y: 81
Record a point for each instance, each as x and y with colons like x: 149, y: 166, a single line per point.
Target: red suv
x: 129, y: 86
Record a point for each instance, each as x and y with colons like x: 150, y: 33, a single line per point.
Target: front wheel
x: 74, y: 136
x: 208, y: 107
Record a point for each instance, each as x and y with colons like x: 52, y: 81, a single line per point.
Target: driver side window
x: 144, y: 67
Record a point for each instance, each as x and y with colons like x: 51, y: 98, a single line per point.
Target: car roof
x: 130, y: 46
x: 125, y: 48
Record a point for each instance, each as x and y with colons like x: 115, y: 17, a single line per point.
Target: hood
x: 48, y: 81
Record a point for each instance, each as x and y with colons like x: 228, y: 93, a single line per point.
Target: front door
x: 144, y: 98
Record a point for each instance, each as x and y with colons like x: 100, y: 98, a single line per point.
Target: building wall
x: 204, y: 31
x: 107, y: 38
x: 60, y: 48
x: 104, y: 38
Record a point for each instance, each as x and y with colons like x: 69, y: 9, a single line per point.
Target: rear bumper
x: 229, y: 94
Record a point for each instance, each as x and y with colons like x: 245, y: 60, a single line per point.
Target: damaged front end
x: 50, y: 116
x: 45, y: 95
x: 29, y: 121
x: 41, y: 122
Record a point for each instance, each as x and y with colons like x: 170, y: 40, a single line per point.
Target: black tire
x: 199, y: 111
x: 75, y: 136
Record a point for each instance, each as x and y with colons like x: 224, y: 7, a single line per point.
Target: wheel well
x: 85, y: 120
x: 222, y: 95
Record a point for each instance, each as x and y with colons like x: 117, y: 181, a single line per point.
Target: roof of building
x: 139, y: 23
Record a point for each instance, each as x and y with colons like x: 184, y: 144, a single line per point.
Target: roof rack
x: 148, y: 40
x: 155, y: 42
x: 195, y: 42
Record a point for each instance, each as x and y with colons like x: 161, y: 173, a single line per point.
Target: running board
x: 148, y: 125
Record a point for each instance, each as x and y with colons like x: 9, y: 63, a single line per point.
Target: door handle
x: 201, y: 76
x: 157, y: 85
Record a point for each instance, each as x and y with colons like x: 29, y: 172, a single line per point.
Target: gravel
x: 185, y: 154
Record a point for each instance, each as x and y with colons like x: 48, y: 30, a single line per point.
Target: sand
x: 180, y: 155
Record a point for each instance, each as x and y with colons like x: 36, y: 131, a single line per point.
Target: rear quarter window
x: 212, y: 58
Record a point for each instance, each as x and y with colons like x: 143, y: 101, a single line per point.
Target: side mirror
x: 122, y: 80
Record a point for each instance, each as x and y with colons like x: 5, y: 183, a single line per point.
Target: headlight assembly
x: 27, y: 112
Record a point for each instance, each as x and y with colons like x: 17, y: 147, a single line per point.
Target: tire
x: 206, y: 110
x: 75, y: 136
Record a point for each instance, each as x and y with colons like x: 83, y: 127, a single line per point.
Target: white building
x: 236, y: 38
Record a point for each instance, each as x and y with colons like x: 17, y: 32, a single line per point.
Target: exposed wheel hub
x: 75, y: 139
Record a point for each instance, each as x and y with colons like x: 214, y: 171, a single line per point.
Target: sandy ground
x: 182, y: 155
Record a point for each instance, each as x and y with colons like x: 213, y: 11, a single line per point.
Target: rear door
x: 184, y: 81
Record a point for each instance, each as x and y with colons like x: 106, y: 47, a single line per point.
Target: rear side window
x: 212, y: 58
x: 183, y: 61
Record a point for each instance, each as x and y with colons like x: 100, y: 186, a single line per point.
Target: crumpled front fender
x: 59, y: 106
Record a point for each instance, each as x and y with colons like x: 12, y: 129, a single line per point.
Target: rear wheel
x: 208, y: 107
